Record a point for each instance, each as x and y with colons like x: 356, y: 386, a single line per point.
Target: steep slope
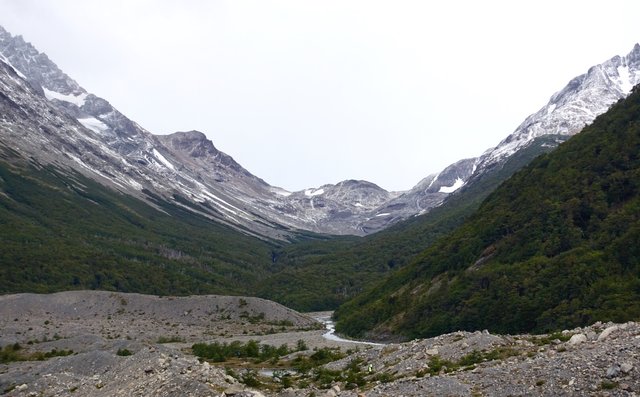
x: 105, y: 145
x: 576, y: 105
x: 61, y: 230
x: 553, y: 247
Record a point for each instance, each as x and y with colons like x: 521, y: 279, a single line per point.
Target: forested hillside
x: 322, y: 274
x: 555, y: 246
x: 60, y: 231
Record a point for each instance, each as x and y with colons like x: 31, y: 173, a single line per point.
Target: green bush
x: 124, y: 352
x: 170, y: 339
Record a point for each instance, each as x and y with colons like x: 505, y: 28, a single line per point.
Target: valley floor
x: 111, y: 344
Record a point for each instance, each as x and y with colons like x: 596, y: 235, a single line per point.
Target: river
x: 330, y: 326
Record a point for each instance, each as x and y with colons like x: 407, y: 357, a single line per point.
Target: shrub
x: 124, y: 352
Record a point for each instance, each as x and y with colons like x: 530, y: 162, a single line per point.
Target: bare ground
x: 599, y: 360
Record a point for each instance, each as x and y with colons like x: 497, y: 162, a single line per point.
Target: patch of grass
x: 170, y: 339
x: 385, y: 377
x: 467, y: 362
x: 304, y: 364
x: 41, y: 356
x: 608, y: 385
x: 437, y: 364
x: 325, y: 377
x: 124, y: 352
x: 12, y: 353
x: 548, y: 339
x: 220, y: 352
x: 301, y: 345
x: 250, y: 378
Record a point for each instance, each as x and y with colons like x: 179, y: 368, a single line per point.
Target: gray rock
x: 607, y: 332
x: 626, y: 367
x: 22, y: 387
x: 613, y: 371
x: 577, y: 339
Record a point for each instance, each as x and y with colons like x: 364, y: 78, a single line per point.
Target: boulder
x: 577, y: 339
x: 605, y: 334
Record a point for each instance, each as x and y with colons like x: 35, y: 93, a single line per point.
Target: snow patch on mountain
x: 313, y: 192
x: 77, y: 100
x: 162, y: 159
x: 18, y: 72
x: 450, y: 189
x: 625, y: 79
x: 93, y: 124
x: 280, y: 191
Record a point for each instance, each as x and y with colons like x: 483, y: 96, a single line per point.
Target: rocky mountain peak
x: 36, y: 66
x: 635, y: 53
x: 195, y: 145
x: 358, y: 184
x: 193, y: 142
x: 583, y: 99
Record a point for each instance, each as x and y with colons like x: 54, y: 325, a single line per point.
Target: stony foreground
x: 94, y: 328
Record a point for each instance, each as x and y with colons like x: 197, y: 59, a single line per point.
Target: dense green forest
x: 63, y: 231
x: 555, y: 246
x: 60, y: 230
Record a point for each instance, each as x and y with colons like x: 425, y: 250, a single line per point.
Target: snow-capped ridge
x: 576, y: 105
x: 86, y: 133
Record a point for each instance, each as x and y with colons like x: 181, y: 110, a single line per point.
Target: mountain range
x: 90, y: 199
x: 82, y: 131
x: 92, y: 136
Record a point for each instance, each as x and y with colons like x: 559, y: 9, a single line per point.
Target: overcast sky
x: 303, y: 93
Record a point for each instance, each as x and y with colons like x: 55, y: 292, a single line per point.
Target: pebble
x: 626, y: 367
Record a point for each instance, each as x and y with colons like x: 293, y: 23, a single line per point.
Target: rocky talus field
x: 88, y: 343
